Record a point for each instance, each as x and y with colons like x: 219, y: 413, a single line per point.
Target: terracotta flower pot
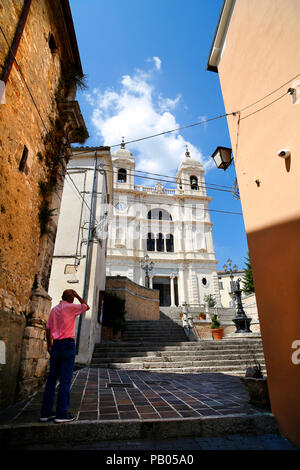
x: 217, y: 333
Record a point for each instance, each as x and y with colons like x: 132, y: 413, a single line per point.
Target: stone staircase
x: 162, y: 346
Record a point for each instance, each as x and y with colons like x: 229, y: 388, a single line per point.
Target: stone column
x: 151, y: 282
x: 172, y: 291
x: 181, y: 287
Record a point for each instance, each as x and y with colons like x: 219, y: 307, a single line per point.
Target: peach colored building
x: 256, y: 53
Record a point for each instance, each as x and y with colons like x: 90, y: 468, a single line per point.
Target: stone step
x: 237, y: 366
x: 180, y: 346
x: 173, y: 363
x: 168, y: 357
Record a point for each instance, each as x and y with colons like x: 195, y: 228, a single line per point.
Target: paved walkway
x: 136, y: 408
x: 108, y: 394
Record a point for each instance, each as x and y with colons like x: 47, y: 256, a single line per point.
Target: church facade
x: 171, y: 226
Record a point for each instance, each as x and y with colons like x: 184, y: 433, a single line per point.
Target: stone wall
x: 33, y: 122
x: 140, y: 303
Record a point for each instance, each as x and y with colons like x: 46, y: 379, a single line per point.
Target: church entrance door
x: 162, y: 284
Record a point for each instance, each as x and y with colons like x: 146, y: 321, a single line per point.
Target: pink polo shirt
x: 61, y: 322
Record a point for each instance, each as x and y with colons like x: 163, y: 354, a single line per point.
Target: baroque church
x: 171, y: 226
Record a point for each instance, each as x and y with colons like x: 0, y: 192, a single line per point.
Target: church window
x: 150, y: 242
x: 122, y: 175
x: 159, y: 214
x: 170, y: 243
x: 160, y: 242
x: 194, y: 182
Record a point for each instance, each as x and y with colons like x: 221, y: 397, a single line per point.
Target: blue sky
x: 145, y: 62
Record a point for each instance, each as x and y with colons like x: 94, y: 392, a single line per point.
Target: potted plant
x: 210, y: 300
x: 257, y: 386
x: 201, y: 316
x: 217, y: 332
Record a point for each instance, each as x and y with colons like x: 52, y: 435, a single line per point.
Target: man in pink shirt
x: 60, y: 333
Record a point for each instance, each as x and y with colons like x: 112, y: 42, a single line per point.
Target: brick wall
x: 140, y: 303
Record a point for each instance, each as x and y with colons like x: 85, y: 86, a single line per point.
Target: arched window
x: 159, y: 214
x: 169, y: 242
x: 122, y: 175
x: 194, y: 182
x: 160, y: 242
x: 150, y: 242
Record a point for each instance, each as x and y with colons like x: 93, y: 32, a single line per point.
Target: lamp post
x: 241, y: 321
x: 147, y: 266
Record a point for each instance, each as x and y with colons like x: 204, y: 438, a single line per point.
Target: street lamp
x: 241, y: 321
x: 147, y: 266
x: 222, y: 157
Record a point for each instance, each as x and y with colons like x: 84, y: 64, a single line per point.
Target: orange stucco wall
x: 262, y: 53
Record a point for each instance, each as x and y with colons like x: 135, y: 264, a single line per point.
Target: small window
x: 160, y: 243
x: 159, y: 214
x: 52, y: 44
x: 170, y: 243
x: 204, y: 281
x: 221, y: 286
x: 22, y: 166
x: 150, y: 242
x: 122, y: 175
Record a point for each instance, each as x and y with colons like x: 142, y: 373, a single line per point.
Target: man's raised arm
x: 80, y: 299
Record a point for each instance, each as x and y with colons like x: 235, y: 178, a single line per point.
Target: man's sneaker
x: 47, y: 417
x: 66, y: 419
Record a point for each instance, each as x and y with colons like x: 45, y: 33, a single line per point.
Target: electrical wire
x: 264, y: 107
x: 271, y: 93
x: 175, y: 178
x: 167, y: 204
x: 182, y: 184
x: 171, y: 130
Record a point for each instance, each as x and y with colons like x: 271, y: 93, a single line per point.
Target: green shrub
x: 215, y: 322
x: 210, y: 300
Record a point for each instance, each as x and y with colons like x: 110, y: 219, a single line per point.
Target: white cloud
x: 157, y: 62
x: 134, y: 111
x: 167, y: 103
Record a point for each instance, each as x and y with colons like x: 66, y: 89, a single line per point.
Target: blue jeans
x: 62, y: 360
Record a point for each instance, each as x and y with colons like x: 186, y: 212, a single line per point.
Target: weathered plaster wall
x: 261, y: 55
x: 22, y: 252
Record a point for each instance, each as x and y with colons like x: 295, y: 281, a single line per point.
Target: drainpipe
x: 87, y: 251
x: 13, y: 49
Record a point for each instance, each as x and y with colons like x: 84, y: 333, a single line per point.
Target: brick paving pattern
x: 110, y: 394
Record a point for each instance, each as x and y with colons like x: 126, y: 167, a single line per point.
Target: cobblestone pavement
x: 111, y: 394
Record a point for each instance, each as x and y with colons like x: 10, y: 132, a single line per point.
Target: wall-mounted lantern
x: 222, y: 157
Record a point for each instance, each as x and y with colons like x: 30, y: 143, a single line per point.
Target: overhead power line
x: 167, y: 204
